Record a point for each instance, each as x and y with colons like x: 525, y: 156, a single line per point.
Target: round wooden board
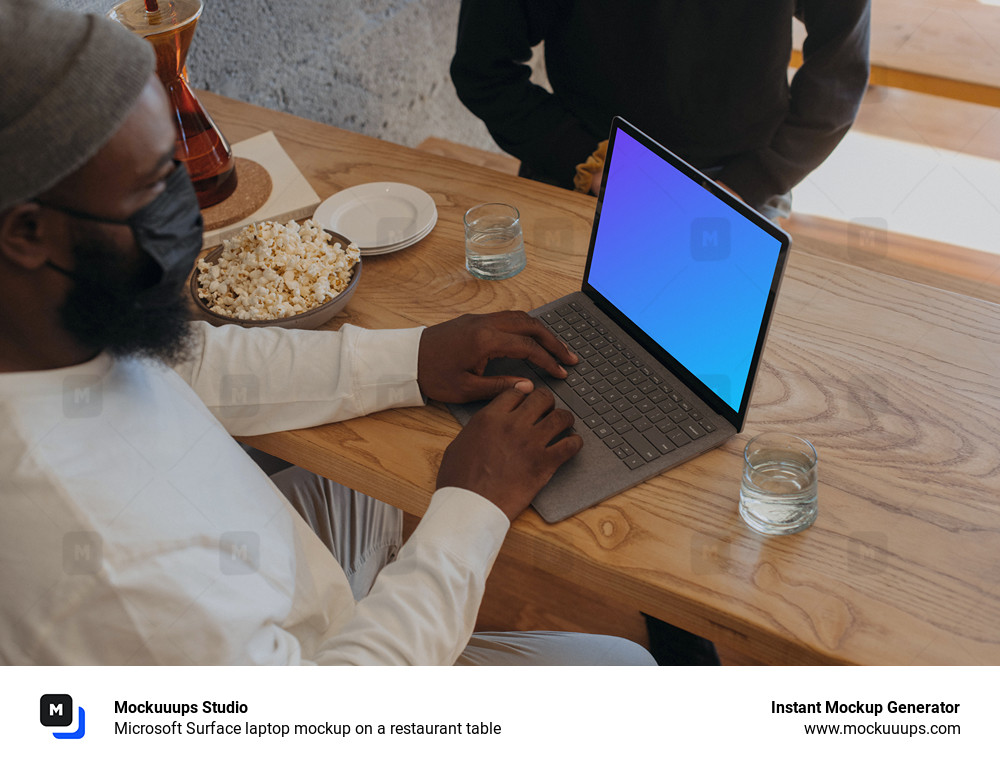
x: 253, y: 187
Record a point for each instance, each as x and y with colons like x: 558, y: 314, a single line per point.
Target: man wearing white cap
x: 122, y: 494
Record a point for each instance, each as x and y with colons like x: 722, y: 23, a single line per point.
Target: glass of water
x: 779, y: 489
x: 494, y: 243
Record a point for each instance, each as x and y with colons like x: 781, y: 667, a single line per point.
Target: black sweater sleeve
x: 495, y: 38
x: 825, y: 95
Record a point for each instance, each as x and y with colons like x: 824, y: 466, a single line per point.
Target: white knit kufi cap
x: 68, y: 82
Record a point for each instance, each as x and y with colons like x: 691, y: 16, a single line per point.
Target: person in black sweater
x: 707, y: 79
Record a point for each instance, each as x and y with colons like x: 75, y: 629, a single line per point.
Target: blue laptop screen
x: 686, y: 268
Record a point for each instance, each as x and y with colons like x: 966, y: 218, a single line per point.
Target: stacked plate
x: 379, y: 217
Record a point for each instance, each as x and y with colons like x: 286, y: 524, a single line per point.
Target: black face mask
x: 131, y: 309
x: 168, y: 231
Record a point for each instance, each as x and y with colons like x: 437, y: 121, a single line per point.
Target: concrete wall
x: 378, y: 67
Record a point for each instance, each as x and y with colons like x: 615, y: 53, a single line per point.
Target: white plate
x: 404, y: 242
x: 378, y: 216
x: 401, y: 245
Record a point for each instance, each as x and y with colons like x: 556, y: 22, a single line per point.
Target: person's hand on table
x: 503, y: 453
x: 454, y: 354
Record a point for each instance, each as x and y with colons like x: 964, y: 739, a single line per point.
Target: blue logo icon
x: 57, y: 710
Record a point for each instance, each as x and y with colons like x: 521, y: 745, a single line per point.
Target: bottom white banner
x: 497, y: 715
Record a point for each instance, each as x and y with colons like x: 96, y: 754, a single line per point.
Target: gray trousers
x: 364, y: 535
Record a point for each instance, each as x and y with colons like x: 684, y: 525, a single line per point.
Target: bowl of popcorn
x: 294, y: 275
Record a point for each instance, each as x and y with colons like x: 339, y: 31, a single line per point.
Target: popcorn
x: 270, y: 271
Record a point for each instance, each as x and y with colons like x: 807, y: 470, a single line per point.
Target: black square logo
x: 56, y: 710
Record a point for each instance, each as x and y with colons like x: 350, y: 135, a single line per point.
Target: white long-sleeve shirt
x: 122, y: 496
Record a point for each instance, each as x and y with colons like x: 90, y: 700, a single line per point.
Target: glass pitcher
x: 169, y: 26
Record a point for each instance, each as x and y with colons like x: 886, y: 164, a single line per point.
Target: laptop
x: 669, y: 324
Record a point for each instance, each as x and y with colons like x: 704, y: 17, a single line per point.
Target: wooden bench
x: 470, y: 154
x: 941, y: 47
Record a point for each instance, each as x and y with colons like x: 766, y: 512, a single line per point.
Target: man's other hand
x: 454, y: 354
x: 504, y: 452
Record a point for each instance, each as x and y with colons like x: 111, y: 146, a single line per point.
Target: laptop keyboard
x: 634, y: 411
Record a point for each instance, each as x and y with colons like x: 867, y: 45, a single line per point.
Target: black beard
x: 110, y: 307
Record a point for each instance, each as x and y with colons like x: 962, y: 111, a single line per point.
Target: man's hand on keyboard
x: 454, y: 354
x: 506, y: 454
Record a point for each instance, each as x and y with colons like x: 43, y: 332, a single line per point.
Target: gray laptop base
x: 600, y: 471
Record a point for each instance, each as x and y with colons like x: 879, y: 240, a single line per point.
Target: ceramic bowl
x: 307, y: 320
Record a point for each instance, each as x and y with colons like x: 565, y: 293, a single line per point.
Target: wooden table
x: 897, y: 384
x: 943, y: 47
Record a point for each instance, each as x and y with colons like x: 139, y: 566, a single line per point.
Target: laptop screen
x: 695, y: 272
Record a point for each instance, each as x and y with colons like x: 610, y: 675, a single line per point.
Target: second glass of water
x: 494, y: 242
x: 778, y: 494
